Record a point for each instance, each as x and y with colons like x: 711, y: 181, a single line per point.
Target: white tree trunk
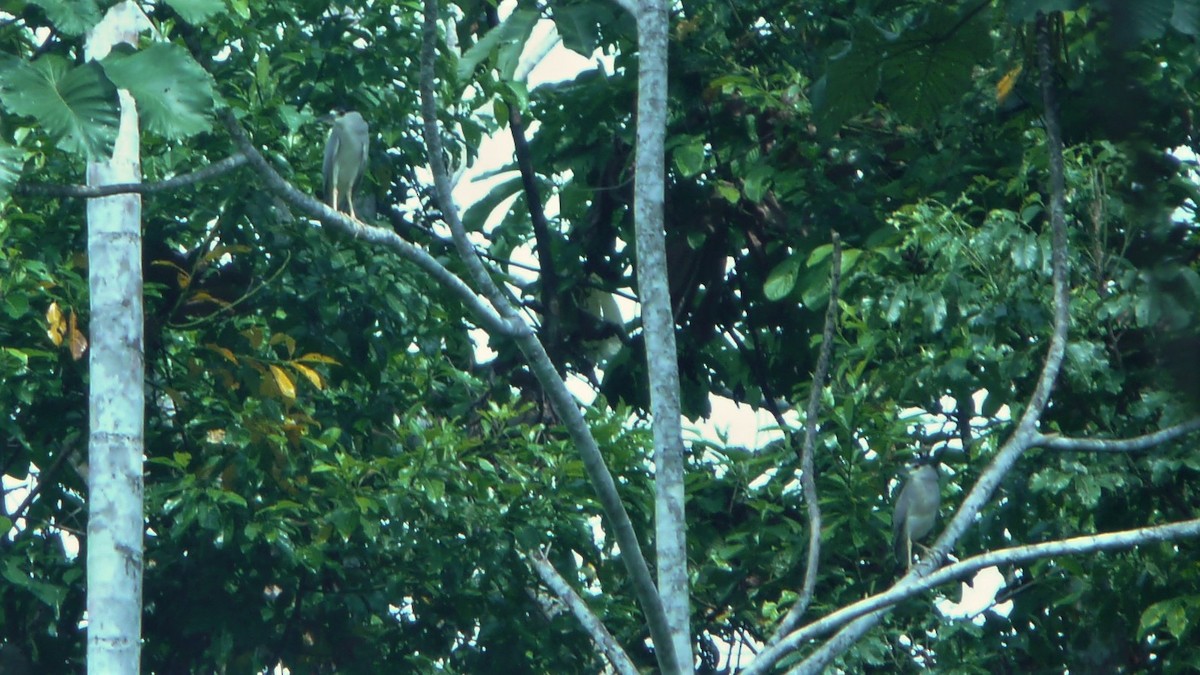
x: 659, y: 324
x: 116, y: 367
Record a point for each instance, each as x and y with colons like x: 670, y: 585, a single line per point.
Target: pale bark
x: 116, y: 376
x: 659, y: 324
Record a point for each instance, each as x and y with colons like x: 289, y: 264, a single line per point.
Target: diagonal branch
x: 1144, y: 442
x: 375, y: 235
x: 808, y: 474
x: 911, y: 587
x: 539, y: 361
x: 92, y: 191
x: 579, y: 609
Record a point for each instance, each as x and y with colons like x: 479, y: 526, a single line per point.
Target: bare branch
x: 808, y: 478
x: 912, y: 586
x: 92, y: 191
x: 590, y: 622
x: 1145, y: 442
x: 563, y: 402
x: 375, y: 235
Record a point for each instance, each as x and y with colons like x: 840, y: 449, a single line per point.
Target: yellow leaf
x: 287, y: 340
x: 223, y: 352
x: 309, y: 374
x: 182, y: 276
x: 202, y: 296
x: 220, y: 251
x: 318, y: 358
x: 254, y: 335
x: 1005, y: 86
x: 56, y: 324
x: 79, y: 343
x: 285, y: 384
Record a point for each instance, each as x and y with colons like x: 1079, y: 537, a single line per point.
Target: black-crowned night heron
x: 345, y: 159
x: 916, y: 510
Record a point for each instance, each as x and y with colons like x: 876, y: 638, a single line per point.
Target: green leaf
x: 76, y: 105
x: 729, y: 192
x: 689, y: 156
x: 1141, y: 20
x: 174, y: 94
x: 71, y: 17
x: 197, y: 11
x: 757, y: 181
x: 929, y: 68
x: 782, y: 279
x: 477, y: 215
x: 579, y: 25
x: 1186, y: 18
x: 11, y: 161
x: 850, y: 82
x: 1175, y: 613
x: 506, y: 41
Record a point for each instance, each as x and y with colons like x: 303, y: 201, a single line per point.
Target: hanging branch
x: 808, y: 474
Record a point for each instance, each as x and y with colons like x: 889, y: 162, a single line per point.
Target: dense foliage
x: 337, y: 481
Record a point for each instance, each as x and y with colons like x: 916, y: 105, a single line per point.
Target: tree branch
x: 1026, y: 431
x: 1144, y: 442
x: 548, y: 278
x: 92, y: 191
x: 590, y: 622
x: 375, y: 235
x: 563, y: 402
x: 808, y: 474
x: 875, y: 605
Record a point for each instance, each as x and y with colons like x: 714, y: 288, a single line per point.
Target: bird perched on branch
x: 345, y: 158
x: 916, y: 509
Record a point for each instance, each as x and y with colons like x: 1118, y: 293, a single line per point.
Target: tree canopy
x: 338, y: 477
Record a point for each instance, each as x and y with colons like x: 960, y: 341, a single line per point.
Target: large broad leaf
x: 1186, y: 18
x: 197, y: 11
x: 579, y: 25
x: 1141, y: 20
x: 929, y: 67
x: 174, y: 94
x: 782, y: 279
x: 505, y: 41
x: 10, y: 168
x: 477, y: 215
x: 76, y: 105
x: 71, y: 17
x: 849, y: 85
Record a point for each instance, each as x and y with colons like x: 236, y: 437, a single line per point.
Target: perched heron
x: 345, y: 158
x: 916, y: 510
